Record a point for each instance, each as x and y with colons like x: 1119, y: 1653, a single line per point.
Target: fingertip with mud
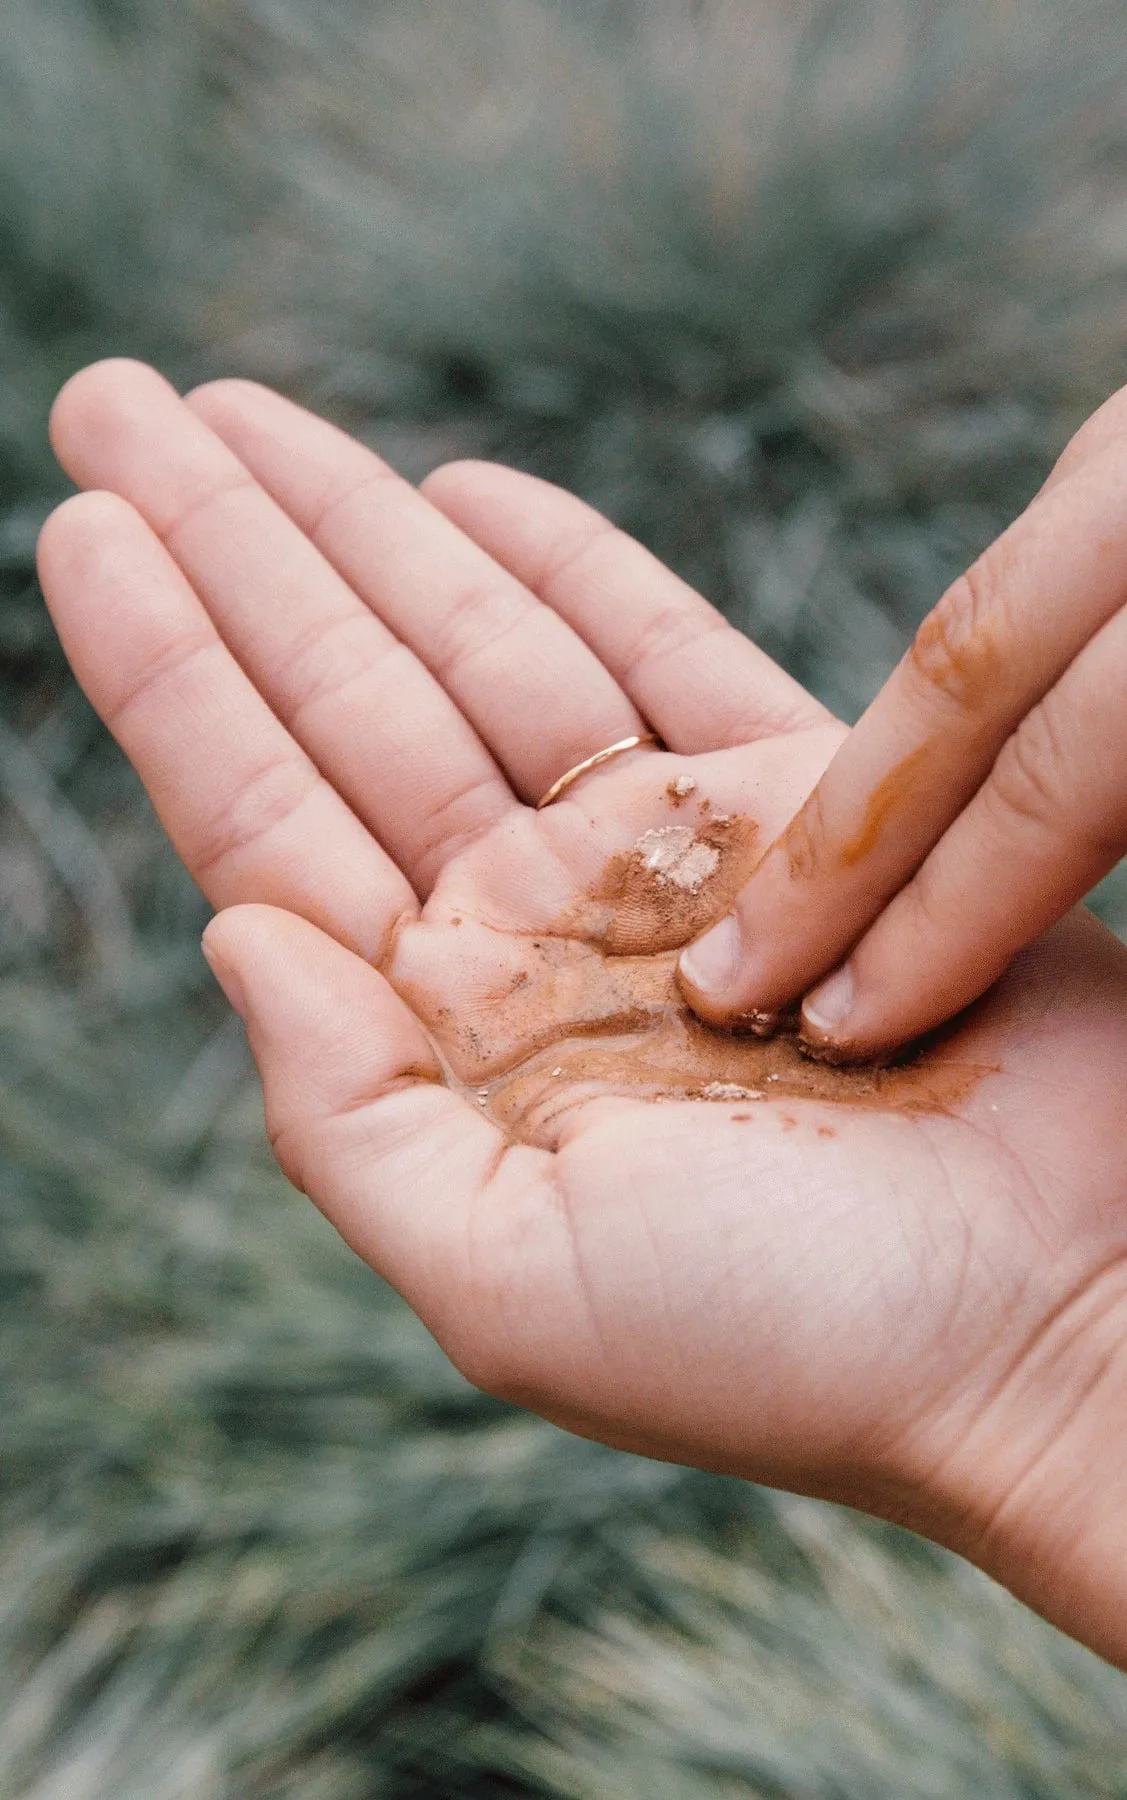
x: 827, y: 1009
x: 711, y: 965
x: 716, y: 978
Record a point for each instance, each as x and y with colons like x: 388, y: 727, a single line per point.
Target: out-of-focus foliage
x: 806, y: 293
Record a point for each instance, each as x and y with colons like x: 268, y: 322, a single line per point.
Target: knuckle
x: 956, y: 650
x: 1030, y: 776
x: 667, y: 632
x: 263, y: 800
x: 803, y: 843
x: 1038, y: 781
x: 171, y: 665
x: 339, y: 498
x: 597, y: 540
x: 231, y: 487
x: 904, y: 934
x: 324, y: 661
x: 455, y: 823
x: 477, y: 619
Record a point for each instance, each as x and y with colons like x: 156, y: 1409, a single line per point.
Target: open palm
x: 343, y: 695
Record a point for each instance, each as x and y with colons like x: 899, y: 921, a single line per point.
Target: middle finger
x: 535, y: 692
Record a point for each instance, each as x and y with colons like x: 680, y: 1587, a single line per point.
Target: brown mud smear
x: 958, y: 653
x: 668, y: 887
x: 675, y: 1057
x: 592, y: 1008
x: 899, y: 785
x: 803, y: 839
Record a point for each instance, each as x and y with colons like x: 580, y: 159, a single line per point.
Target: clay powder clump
x: 679, y: 789
x: 678, y: 858
x: 672, y: 884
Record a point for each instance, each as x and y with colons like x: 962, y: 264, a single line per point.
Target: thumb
x: 357, y: 1113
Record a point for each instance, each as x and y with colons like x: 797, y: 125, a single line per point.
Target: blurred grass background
x: 806, y: 293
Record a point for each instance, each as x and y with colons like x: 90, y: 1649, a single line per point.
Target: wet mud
x: 591, y: 1007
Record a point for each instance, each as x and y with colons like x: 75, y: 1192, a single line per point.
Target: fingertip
x: 81, y: 406
x: 257, y: 943
x: 301, y: 986
x: 723, y: 981
x: 234, y: 931
x: 827, y: 1008
x: 465, y: 477
x: 838, y: 1024
x: 225, y: 975
x: 77, y: 540
x: 229, y: 396
x: 709, y: 971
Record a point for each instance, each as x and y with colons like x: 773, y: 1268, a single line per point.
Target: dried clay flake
x: 674, y: 856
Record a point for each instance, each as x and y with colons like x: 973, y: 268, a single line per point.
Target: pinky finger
x: 1048, y: 823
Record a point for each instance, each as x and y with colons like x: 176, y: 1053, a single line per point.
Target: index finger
x: 993, y: 647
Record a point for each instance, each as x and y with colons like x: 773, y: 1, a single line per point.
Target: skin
x: 342, y: 696
x: 988, y: 770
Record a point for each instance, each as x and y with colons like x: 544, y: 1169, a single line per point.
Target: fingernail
x: 713, y: 962
x: 227, y: 979
x: 826, y: 1009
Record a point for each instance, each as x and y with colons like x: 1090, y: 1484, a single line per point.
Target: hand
x: 905, y: 1291
x: 981, y: 795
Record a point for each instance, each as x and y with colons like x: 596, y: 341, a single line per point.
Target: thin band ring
x: 595, y: 762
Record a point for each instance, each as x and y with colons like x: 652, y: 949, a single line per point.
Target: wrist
x: 1033, y: 1486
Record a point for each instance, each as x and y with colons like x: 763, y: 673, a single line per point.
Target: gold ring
x: 595, y: 762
